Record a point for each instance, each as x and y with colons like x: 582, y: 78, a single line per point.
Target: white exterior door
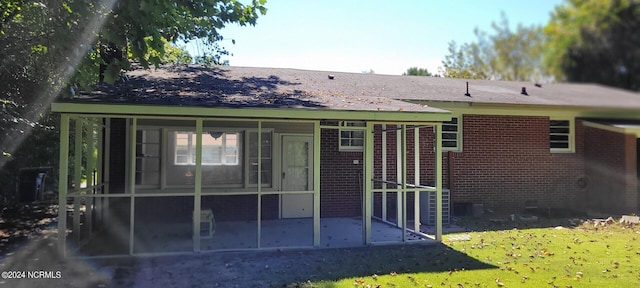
x: 297, y: 175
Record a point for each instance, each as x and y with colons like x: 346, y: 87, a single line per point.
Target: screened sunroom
x: 151, y: 179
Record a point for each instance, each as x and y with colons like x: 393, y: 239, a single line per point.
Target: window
x: 266, y: 147
x: 351, y: 139
x: 451, y: 135
x: 560, y: 135
x: 218, y: 148
x: 148, y: 157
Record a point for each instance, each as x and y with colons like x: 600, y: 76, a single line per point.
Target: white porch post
x: 198, y: 188
x: 63, y: 177
x: 438, y: 130
x: 316, y: 183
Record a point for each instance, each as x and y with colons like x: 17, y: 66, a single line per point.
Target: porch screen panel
x: 229, y: 222
x: 113, y: 238
x: 163, y: 224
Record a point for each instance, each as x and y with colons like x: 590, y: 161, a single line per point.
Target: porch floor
x: 240, y: 235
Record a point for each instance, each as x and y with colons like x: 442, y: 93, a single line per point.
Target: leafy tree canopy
x: 415, y: 71
x: 504, y: 55
x: 595, y: 41
x: 54, y: 47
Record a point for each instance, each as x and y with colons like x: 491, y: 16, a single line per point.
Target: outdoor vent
x: 467, y: 94
x: 524, y: 91
x: 330, y: 76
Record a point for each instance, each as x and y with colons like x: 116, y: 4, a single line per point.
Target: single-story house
x: 188, y: 159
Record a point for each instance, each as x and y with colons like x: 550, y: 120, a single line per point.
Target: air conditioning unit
x: 428, y: 207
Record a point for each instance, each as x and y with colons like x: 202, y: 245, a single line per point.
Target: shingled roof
x: 228, y: 86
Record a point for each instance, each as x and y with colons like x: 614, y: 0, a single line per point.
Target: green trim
x: 459, y: 133
x: 438, y: 167
x: 416, y: 178
x: 614, y: 128
x: 368, y: 184
x: 403, y: 152
x: 63, y: 183
x: 198, y: 188
x: 265, y: 113
x: 316, y: 183
x: 572, y: 136
x: 132, y: 182
x: 532, y: 110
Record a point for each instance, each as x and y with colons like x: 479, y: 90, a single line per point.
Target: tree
x: 503, y: 55
x: 465, y: 61
x: 56, y: 47
x: 415, y: 71
x: 595, y: 41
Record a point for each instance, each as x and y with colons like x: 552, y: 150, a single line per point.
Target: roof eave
x: 430, y: 114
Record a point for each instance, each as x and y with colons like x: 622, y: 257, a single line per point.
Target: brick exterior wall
x: 340, y: 179
x: 506, y: 162
x: 611, y: 169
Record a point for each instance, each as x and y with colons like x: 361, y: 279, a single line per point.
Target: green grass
x: 586, y: 256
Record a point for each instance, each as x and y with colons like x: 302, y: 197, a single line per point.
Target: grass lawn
x: 585, y: 256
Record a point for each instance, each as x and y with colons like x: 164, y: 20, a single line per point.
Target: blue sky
x: 357, y: 35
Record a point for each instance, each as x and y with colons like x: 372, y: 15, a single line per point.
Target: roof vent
x: 330, y: 76
x: 467, y: 94
x: 524, y: 91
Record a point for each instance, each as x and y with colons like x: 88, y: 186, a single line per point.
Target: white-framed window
x: 561, y: 135
x: 351, y: 139
x: 218, y: 148
x: 452, y: 134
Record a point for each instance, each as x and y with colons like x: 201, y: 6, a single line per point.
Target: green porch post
x: 90, y: 169
x: 198, y: 188
x: 132, y: 181
x: 404, y: 182
x: 63, y: 183
x: 438, y: 130
x: 77, y: 175
x: 368, y: 185
x: 316, y: 183
x: 416, y: 176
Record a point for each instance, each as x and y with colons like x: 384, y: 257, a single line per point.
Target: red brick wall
x: 506, y: 161
x: 340, y: 179
x: 611, y: 168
